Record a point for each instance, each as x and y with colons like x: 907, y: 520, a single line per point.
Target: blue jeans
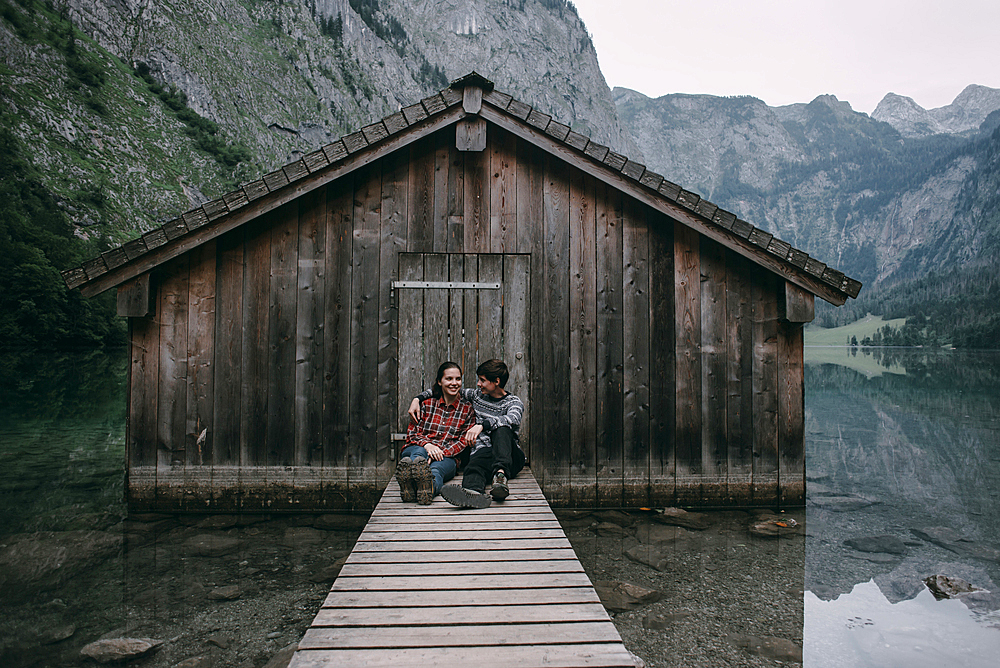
x: 443, y: 471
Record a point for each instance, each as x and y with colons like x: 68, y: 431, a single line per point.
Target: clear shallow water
x: 905, y: 445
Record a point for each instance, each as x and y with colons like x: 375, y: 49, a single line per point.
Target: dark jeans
x: 504, y: 453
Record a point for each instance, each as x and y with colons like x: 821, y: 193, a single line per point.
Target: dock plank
x: 469, y: 614
x: 592, y: 655
x: 474, y: 568
x: 448, y: 545
x: 461, y: 534
x: 511, y: 523
x: 462, y: 555
x: 456, y: 636
x: 452, y: 581
x: 437, y: 583
x: 391, y: 599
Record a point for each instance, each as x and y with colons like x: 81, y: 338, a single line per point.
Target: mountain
x: 118, y: 115
x: 964, y: 115
x: 876, y: 198
x: 135, y: 111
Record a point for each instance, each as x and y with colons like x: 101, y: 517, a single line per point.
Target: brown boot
x: 423, y: 480
x: 404, y: 476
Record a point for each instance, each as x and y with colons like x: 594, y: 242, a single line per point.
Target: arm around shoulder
x: 513, y: 410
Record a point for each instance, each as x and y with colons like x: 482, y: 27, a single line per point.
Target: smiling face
x: 490, y: 388
x: 451, y: 383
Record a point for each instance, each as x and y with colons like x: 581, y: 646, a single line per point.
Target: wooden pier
x: 499, y: 586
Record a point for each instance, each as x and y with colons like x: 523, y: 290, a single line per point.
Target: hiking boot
x: 459, y: 496
x: 423, y: 480
x: 499, y: 491
x: 404, y: 476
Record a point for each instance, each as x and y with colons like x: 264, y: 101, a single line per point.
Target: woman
x: 434, y: 441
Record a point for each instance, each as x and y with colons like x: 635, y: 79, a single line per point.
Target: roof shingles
x: 426, y: 108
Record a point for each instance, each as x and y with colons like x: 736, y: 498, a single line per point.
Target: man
x: 494, y: 451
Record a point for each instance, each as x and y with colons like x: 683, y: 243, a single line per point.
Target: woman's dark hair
x: 436, y: 388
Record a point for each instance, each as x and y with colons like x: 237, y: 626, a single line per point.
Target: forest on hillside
x: 957, y: 304
x: 36, y: 243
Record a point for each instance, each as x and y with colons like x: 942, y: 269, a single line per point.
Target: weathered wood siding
x: 660, y: 372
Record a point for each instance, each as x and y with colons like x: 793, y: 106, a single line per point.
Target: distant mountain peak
x: 965, y: 114
x: 831, y: 100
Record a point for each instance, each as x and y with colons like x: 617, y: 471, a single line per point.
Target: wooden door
x: 463, y: 308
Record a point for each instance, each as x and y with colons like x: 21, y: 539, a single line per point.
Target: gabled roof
x: 469, y: 96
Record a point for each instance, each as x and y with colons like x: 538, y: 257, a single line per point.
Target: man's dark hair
x: 494, y: 371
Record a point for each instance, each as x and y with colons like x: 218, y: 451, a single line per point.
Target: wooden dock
x: 499, y: 586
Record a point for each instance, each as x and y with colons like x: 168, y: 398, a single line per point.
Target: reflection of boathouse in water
x: 279, y: 332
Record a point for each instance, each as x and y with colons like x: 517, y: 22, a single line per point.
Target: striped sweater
x: 491, y: 413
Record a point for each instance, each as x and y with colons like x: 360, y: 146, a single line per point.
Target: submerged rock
x: 195, y: 662
x: 49, y: 635
x: 875, y: 557
x: 906, y: 580
x: 771, y: 647
x: 824, y: 592
x: 614, y: 517
x: 682, y: 518
x: 889, y: 544
x: 609, y: 529
x: 944, y: 587
x: 329, y: 572
x: 621, y: 596
x: 575, y: 522
x: 772, y: 526
x: 840, y: 504
x: 671, y: 538
x: 283, y: 657
x: 227, y: 593
x: 780, y: 649
x: 119, y: 649
x: 220, y: 640
x: 649, y: 555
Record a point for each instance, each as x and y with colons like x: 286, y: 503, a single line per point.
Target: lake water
x: 903, y: 469
x: 903, y: 445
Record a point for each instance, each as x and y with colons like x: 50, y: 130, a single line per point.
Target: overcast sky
x: 786, y: 51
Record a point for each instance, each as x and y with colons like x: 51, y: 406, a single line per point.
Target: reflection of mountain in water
x: 894, y: 454
x: 863, y: 628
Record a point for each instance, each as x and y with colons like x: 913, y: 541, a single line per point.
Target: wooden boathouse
x: 278, y: 333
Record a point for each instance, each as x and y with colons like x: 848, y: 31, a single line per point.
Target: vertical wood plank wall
x: 660, y: 373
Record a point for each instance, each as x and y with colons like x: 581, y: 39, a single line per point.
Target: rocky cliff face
x: 136, y: 110
x: 877, y: 202
x: 278, y: 78
x: 706, y: 143
x: 964, y: 115
x: 538, y: 51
